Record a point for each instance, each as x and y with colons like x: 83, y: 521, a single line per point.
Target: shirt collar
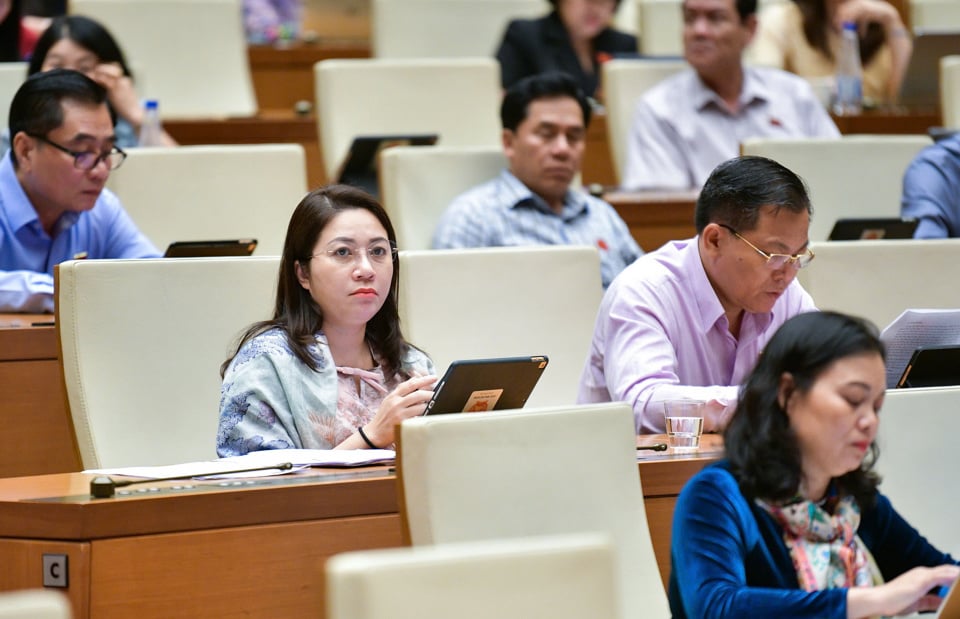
x: 20, y: 211
x: 575, y: 203
x: 752, y: 90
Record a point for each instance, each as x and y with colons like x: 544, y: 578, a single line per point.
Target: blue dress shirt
x: 931, y: 190
x: 729, y: 559
x: 28, y: 254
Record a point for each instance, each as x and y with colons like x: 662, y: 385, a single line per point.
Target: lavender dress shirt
x: 661, y: 334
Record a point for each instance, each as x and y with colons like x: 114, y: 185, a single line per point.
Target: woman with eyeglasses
x: 331, y: 369
x: 792, y: 523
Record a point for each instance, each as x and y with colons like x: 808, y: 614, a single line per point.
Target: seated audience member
x: 82, y: 44
x: 16, y: 39
x: 267, y: 21
x: 575, y: 38
x: 931, y: 190
x: 803, y: 37
x: 53, y: 204
x: 544, y: 119
x: 689, y: 123
x: 792, y: 524
x: 688, y: 320
x: 331, y: 369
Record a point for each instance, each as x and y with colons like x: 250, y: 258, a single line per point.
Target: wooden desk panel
x: 38, y: 435
x: 655, y: 217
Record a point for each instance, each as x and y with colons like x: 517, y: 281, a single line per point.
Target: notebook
x: 205, y: 249
x: 479, y: 385
x: 359, y: 169
x: 872, y: 228
x: 921, y: 82
x: 932, y: 366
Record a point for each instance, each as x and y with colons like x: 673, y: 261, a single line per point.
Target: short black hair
x: 37, y: 107
x: 746, y: 8
x: 738, y: 188
x: 556, y: 3
x: 759, y: 443
x: 549, y: 85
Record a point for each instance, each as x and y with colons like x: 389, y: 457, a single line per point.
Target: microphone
x: 654, y: 447
x: 104, y: 487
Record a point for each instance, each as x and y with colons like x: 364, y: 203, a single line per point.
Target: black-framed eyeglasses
x: 776, y: 262
x: 87, y: 160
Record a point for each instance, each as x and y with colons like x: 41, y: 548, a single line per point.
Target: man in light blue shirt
x: 53, y: 204
x: 931, y: 190
x: 544, y: 119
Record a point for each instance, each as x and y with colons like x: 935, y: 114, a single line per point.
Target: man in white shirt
x: 688, y: 124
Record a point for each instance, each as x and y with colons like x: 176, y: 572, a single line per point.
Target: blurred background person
x: 16, y: 38
x: 803, y: 37
x: 931, y: 190
x: 267, y: 21
x: 792, y: 523
x: 575, y: 38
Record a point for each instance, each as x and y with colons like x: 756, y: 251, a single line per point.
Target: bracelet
x: 366, y: 440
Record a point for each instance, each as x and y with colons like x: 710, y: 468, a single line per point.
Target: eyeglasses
x: 378, y: 253
x: 775, y: 262
x: 86, y: 160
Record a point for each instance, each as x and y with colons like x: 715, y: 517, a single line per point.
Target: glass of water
x: 684, y: 422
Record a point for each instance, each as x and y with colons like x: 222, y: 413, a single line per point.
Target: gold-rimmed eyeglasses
x: 776, y: 262
x: 87, y: 160
x: 377, y: 253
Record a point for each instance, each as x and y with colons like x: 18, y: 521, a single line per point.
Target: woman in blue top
x: 791, y: 524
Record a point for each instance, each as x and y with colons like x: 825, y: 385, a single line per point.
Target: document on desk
x: 299, y: 458
x: 915, y: 328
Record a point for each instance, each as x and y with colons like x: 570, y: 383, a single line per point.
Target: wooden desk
x: 37, y: 435
x: 253, y: 550
x: 655, y: 217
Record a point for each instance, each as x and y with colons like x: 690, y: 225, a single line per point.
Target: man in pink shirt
x: 690, y: 319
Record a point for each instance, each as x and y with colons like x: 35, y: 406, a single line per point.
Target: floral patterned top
x: 271, y: 400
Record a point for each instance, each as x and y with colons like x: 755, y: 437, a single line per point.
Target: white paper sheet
x: 915, y: 328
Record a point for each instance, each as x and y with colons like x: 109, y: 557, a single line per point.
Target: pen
x: 654, y: 447
x: 43, y: 324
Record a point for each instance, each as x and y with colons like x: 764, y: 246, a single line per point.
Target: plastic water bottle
x: 150, y: 129
x: 849, y: 99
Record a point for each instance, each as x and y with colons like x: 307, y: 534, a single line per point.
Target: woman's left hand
x: 865, y: 12
x: 120, y: 92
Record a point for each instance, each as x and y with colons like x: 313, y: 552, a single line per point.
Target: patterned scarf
x: 827, y: 553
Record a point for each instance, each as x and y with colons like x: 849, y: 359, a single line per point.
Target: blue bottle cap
x: 849, y: 25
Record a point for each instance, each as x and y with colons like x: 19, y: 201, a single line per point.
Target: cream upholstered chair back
x: 661, y: 27
x: 934, y: 15
x: 917, y: 447
x: 142, y: 342
x: 624, y: 82
x: 542, y: 472
x: 194, y: 193
x: 193, y: 52
x: 456, y: 98
x: 12, y: 75
x: 950, y: 91
x: 553, y: 577
x: 417, y: 184
x: 458, y: 28
x: 34, y: 604
x: 834, y: 189
x: 503, y: 302
x: 878, y: 280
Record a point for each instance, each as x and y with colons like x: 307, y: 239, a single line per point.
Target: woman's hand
x: 866, y: 12
x: 408, y: 400
x: 120, y: 92
x: 905, y: 594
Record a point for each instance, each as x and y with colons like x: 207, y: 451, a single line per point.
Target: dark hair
x: 37, y: 107
x: 556, y: 3
x: 746, y: 8
x: 738, y: 188
x: 759, y: 442
x: 10, y: 34
x: 295, y: 311
x: 83, y: 31
x: 816, y: 25
x: 549, y: 85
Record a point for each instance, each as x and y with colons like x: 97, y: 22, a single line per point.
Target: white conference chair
x: 542, y: 472
x: 456, y: 98
x: 34, y: 604
x: 624, y: 82
x: 879, y: 161
x: 917, y: 435
x: 142, y: 342
x: 553, y: 577
x: 934, y: 15
x: 417, y: 184
x: 12, y: 75
x: 661, y: 27
x: 195, y: 193
x: 193, y: 52
x: 950, y: 91
x: 458, y: 28
x: 504, y: 302
x: 878, y: 280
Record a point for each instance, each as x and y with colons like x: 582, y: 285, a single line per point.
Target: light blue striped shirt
x: 503, y: 212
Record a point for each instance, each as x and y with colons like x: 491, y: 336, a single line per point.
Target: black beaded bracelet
x: 366, y: 440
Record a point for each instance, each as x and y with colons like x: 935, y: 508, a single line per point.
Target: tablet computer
x: 932, y: 366
x: 479, y: 385
x: 204, y: 249
x: 872, y: 228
